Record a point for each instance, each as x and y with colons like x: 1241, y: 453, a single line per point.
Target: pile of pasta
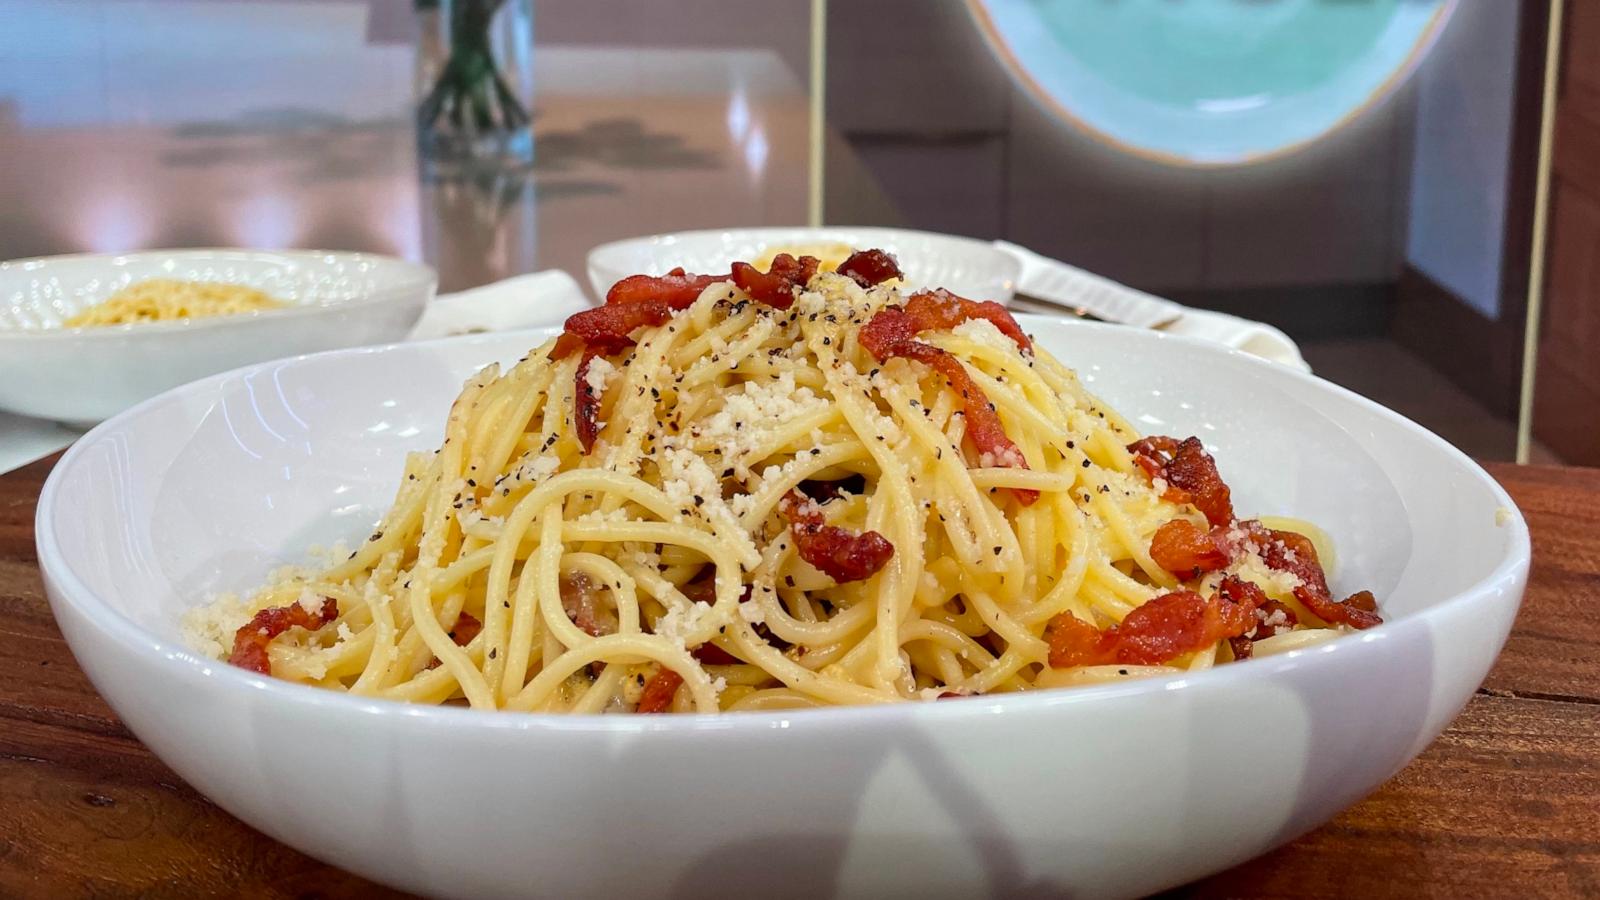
x: 167, y: 300
x: 780, y: 488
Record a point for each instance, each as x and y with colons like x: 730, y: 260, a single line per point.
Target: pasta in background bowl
x: 1106, y: 790
x: 85, y: 374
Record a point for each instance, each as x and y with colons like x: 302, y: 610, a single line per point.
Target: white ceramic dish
x: 971, y: 268
x: 1114, y: 790
x: 84, y: 375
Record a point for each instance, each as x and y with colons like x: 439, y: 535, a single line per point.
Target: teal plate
x: 1209, y: 82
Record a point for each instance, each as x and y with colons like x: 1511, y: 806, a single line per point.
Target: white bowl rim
x: 760, y: 230
x: 416, y: 274
x: 185, y: 662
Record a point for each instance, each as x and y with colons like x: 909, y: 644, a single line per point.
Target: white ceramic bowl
x: 87, y: 374
x: 971, y: 268
x: 1113, y: 790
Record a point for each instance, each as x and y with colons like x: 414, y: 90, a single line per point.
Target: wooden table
x: 1506, y: 803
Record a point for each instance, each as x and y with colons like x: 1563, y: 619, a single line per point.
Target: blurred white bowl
x: 971, y: 268
x: 84, y: 375
x: 1114, y: 790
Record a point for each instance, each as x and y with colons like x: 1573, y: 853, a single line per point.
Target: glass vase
x: 474, y: 86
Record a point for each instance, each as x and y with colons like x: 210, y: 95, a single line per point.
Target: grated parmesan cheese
x: 751, y: 611
x: 681, y: 621
x: 749, y: 417
x: 599, y: 372
x: 983, y: 332
x: 208, y: 629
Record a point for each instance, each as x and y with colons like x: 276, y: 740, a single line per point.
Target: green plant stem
x: 469, y: 86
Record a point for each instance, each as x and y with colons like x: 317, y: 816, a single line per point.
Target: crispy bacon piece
x: 466, y: 628
x: 842, y: 554
x: 586, y: 402
x: 775, y: 287
x: 942, y: 310
x: 659, y: 691
x: 581, y: 601
x: 1190, y: 473
x: 1267, y: 610
x: 703, y: 587
x: 1184, y: 549
x: 1237, y: 602
x: 823, y: 491
x: 251, y: 640
x: 1244, y: 645
x: 1288, y: 551
x: 1074, y: 642
x: 892, y: 332
x: 566, y: 345
x: 1336, y: 612
x: 1160, y: 630
x: 656, y: 297
x: 712, y: 655
x: 677, y: 289
x: 1362, y: 600
x: 870, y: 267
x: 607, y: 328
x: 701, y: 590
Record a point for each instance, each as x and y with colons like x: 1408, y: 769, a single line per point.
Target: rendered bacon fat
x: 659, y: 691
x: 1189, y: 472
x: 870, y: 267
x: 892, y: 332
x: 776, y: 286
x: 840, y: 553
x: 250, y: 642
x: 1159, y: 631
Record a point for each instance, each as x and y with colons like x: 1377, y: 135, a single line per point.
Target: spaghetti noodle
x: 779, y: 489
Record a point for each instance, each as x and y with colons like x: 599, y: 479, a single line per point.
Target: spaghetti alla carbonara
x: 166, y: 300
x: 786, y: 488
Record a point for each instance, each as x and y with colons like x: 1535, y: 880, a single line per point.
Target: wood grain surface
x: 1505, y: 803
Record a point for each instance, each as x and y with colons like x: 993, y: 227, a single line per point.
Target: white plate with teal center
x: 1209, y: 82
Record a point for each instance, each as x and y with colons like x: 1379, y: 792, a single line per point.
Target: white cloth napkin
x: 524, y: 301
x: 1055, y: 281
x: 24, y: 439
